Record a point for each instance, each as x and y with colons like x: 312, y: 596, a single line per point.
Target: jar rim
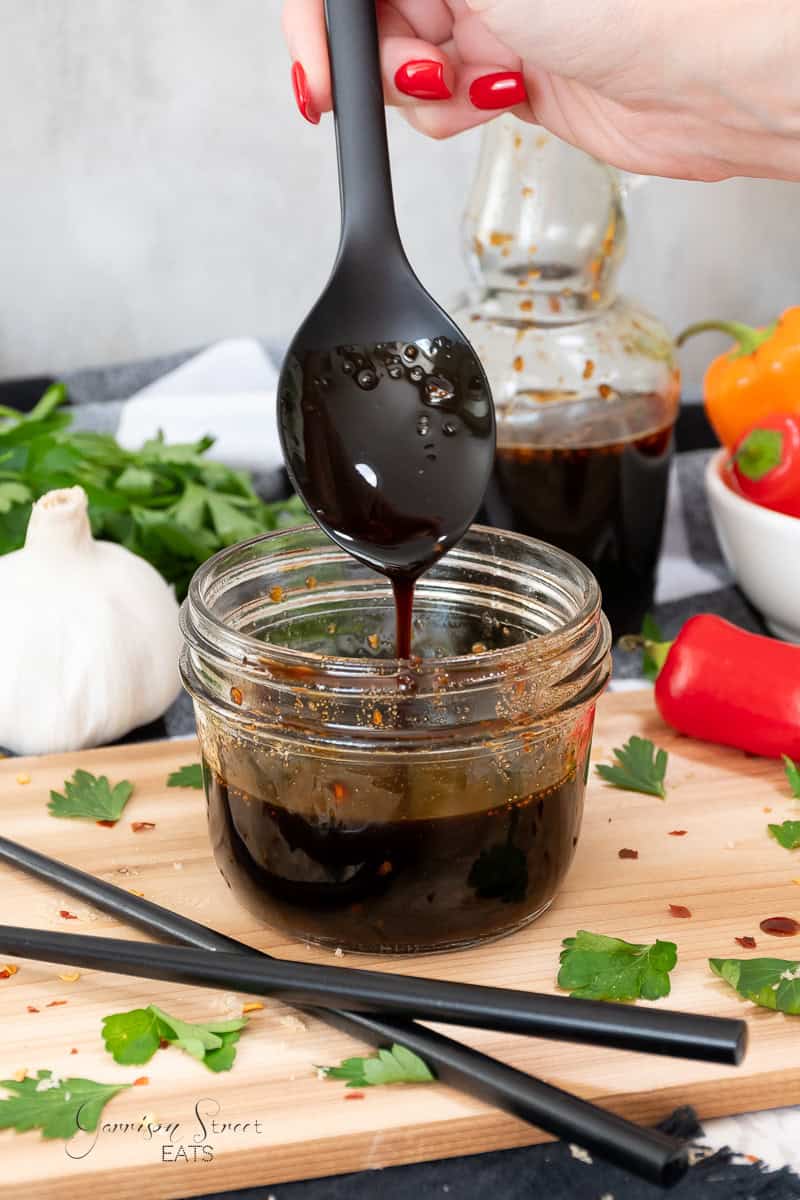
x: 205, y: 631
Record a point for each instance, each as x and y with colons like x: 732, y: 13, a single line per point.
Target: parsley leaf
x: 398, y: 1065
x: 793, y: 775
x: 190, y: 776
x: 88, y: 798
x: 787, y: 834
x: 132, y: 1038
x: 640, y: 767
x: 12, y: 493
x: 769, y: 982
x: 596, y: 967
x: 59, y: 1108
x: 197, y: 1040
x: 167, y: 503
x: 223, y: 1058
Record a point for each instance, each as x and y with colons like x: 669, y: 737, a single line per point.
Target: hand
x: 693, y: 89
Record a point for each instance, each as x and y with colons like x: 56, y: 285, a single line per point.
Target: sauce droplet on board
x: 780, y: 926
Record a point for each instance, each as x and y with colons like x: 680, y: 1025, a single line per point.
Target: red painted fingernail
x: 423, y: 78
x: 503, y: 89
x: 302, y: 95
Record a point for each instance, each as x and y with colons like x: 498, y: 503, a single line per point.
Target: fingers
x: 481, y: 93
x: 307, y: 39
x: 413, y: 69
x: 442, y: 93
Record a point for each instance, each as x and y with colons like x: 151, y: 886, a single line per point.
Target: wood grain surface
x: 276, y: 1120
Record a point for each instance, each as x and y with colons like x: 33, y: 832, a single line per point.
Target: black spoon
x: 384, y: 409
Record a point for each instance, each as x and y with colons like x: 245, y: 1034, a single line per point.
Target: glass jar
x: 377, y: 805
x: 585, y: 383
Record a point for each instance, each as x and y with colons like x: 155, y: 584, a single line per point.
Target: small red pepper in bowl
x: 721, y: 684
x: 766, y: 464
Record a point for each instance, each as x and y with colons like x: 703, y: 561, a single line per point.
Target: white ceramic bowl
x: 762, y: 549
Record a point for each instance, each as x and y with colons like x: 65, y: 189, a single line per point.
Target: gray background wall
x: 158, y: 190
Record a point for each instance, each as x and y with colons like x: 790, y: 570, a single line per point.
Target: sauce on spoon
x: 389, y: 443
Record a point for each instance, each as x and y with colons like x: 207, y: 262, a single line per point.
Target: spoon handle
x: 365, y: 181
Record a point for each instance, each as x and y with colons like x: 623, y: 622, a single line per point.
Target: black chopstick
x: 312, y: 985
x: 646, y: 1152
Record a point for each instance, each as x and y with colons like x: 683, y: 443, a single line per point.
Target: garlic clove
x: 89, y: 635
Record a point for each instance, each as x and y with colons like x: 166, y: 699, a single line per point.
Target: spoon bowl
x: 388, y: 439
x: 384, y: 410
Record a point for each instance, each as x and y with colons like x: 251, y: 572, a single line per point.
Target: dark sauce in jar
x: 336, y: 875
x: 605, y: 504
x: 391, y: 443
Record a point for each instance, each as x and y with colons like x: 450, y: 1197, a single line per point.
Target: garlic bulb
x: 89, y: 637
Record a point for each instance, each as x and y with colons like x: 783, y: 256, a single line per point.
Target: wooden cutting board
x: 276, y: 1120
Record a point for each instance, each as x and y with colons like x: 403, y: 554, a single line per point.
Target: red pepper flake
x: 678, y: 832
x: 142, y: 826
x: 780, y: 926
x: 56, y: 1004
x: 276, y: 594
x: 385, y: 868
x: 106, y: 824
x: 7, y: 971
x: 626, y: 853
x: 554, y: 304
x: 142, y: 1081
x: 164, y: 1044
x: 588, y: 370
x: 354, y: 1096
x: 605, y: 391
x: 748, y: 942
x: 526, y: 306
x: 31, y: 1009
x: 68, y: 916
x: 339, y: 792
x: 236, y: 695
x: 73, y: 1050
x: 518, y: 363
x: 679, y: 910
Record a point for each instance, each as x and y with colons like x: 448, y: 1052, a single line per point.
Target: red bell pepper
x: 766, y: 464
x: 722, y: 684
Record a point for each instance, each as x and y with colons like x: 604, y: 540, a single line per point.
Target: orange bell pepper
x: 760, y: 376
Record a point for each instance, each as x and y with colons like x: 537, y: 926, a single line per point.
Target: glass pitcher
x: 585, y: 383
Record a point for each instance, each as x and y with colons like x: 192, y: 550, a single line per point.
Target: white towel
x: 228, y: 391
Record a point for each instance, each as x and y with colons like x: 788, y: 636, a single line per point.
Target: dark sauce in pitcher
x: 605, y: 504
x: 427, y: 882
x: 391, y: 443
